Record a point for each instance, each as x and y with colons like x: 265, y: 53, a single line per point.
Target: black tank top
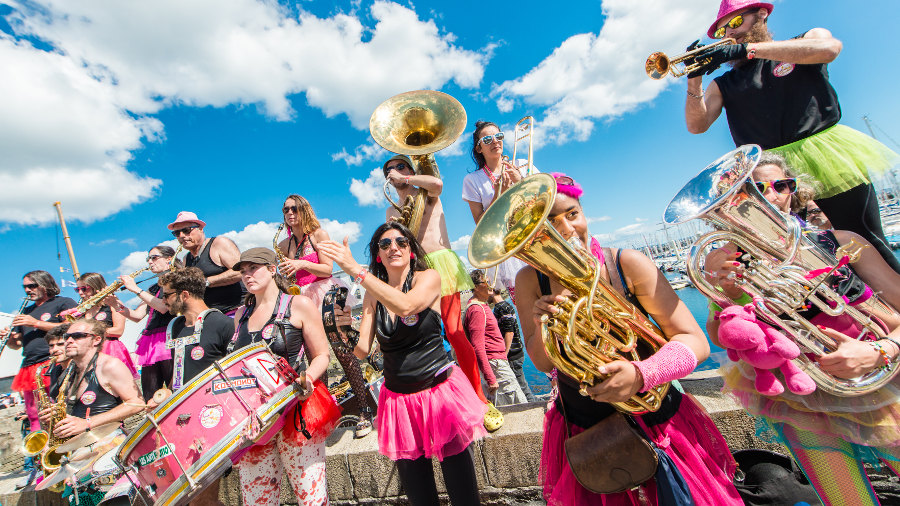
x: 772, y: 103
x: 414, y: 353
x: 95, y: 397
x: 224, y: 298
x: 157, y: 321
x: 284, y: 339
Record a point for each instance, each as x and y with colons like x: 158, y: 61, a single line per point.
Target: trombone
x: 658, y: 64
x: 524, y: 130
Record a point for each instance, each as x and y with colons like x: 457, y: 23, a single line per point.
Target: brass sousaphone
x: 417, y: 124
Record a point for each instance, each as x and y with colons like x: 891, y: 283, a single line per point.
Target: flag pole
x: 65, y: 231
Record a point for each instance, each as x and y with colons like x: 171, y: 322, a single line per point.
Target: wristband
x: 751, y: 54
x: 407, y: 179
x: 673, y: 361
x: 361, y: 276
x: 207, y: 282
x: 884, y: 355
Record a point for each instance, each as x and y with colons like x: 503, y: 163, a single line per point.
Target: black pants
x: 154, y: 376
x: 417, y: 478
x: 857, y: 210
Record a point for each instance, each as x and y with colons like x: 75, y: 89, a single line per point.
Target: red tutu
x: 440, y: 422
x: 24, y: 380
x: 320, y: 412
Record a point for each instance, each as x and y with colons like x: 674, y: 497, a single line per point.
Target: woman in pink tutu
x: 89, y: 284
x: 427, y: 407
x: 680, y: 428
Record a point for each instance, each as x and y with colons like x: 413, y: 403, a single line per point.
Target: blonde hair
x: 308, y: 219
x: 806, y: 185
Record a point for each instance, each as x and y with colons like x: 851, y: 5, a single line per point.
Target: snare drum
x: 185, y: 444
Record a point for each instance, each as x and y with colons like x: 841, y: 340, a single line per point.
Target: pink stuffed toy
x: 763, y: 347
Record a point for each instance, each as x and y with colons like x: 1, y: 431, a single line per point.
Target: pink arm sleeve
x: 673, y: 361
x: 475, y: 323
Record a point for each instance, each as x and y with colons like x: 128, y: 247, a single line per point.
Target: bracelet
x: 407, y: 179
x: 751, y: 54
x: 878, y: 346
x: 698, y: 97
x: 361, y: 276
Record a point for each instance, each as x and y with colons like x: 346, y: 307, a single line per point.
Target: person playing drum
x: 287, y: 324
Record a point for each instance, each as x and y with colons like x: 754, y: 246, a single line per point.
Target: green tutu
x: 454, y: 277
x: 839, y: 158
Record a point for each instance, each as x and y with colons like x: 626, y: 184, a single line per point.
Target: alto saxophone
x: 294, y: 289
x: 50, y: 460
x: 36, y: 441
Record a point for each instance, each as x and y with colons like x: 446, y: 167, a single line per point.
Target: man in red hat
x: 215, y: 256
x: 777, y: 95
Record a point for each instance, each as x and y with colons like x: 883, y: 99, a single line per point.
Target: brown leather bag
x: 611, y: 456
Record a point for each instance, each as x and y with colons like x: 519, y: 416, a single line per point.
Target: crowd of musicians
x: 435, y: 404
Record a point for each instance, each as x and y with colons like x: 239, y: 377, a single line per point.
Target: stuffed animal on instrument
x: 760, y: 345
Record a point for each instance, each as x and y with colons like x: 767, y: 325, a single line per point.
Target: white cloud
x: 365, y: 152
x: 590, y: 76
x: 337, y: 230
x: 72, y: 116
x: 253, y: 235
x: 599, y: 219
x: 371, y: 191
x: 461, y: 243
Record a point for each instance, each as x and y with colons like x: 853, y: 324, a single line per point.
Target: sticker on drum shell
x: 211, y: 415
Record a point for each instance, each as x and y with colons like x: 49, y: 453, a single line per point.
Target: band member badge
x: 211, y: 415
x: 45, y: 317
x: 410, y: 320
x: 88, y: 397
x: 100, y: 316
x: 783, y: 69
x: 267, y: 331
x: 197, y: 353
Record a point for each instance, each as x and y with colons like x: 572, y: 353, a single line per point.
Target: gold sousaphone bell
x: 417, y: 124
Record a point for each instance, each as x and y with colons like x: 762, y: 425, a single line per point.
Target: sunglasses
x: 30, y: 286
x: 77, y: 336
x: 780, y: 185
x: 151, y: 258
x: 565, y: 180
x: 185, y: 230
x: 489, y: 139
x: 735, y: 22
x: 400, y: 166
x: 167, y: 294
x: 82, y: 289
x: 285, y: 209
x: 384, y: 244
x: 813, y: 212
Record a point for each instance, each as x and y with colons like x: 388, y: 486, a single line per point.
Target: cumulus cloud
x: 361, y: 154
x: 337, y: 230
x: 76, y: 111
x: 598, y: 219
x: 371, y: 191
x: 595, y: 76
x: 461, y: 243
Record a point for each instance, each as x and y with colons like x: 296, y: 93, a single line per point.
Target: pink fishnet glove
x: 673, y: 361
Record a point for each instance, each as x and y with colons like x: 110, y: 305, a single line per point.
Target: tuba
x: 417, y: 124
x: 781, y: 265
x: 596, y: 325
x: 293, y: 289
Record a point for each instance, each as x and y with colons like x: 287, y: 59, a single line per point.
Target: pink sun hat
x: 186, y: 217
x: 728, y: 7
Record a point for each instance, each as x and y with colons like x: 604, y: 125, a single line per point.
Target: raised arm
x: 816, y: 46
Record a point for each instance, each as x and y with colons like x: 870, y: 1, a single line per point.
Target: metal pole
x: 65, y: 231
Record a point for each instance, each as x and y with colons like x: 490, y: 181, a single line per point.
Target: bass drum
x: 186, y: 443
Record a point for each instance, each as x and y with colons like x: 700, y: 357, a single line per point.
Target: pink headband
x: 572, y: 189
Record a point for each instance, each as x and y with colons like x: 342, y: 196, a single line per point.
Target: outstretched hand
x: 340, y: 254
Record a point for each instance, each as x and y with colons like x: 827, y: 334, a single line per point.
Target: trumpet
x: 658, y: 64
x: 294, y: 289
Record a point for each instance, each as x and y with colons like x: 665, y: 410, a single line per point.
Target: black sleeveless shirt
x: 414, y: 356
x: 284, y: 339
x: 157, y: 321
x: 773, y: 103
x: 224, y: 298
x: 94, y: 396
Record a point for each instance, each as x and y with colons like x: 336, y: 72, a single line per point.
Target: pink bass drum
x: 186, y: 443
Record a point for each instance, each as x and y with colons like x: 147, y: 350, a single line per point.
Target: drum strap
x: 180, y: 343
x: 284, y: 302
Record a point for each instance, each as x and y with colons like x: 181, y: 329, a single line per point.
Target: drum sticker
x: 211, y: 415
x: 183, y: 419
x: 88, y: 397
x: 265, y: 371
x: 45, y: 317
x: 410, y: 320
x: 155, y: 455
x: 197, y: 353
x: 267, y: 331
x: 239, y: 383
x: 100, y: 317
x: 160, y: 473
x: 783, y: 69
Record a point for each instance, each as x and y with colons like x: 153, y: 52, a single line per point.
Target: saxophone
x: 36, y: 442
x: 50, y: 460
x: 293, y: 289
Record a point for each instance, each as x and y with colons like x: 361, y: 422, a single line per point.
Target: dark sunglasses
x: 733, y: 23
x: 489, y: 139
x: 77, y: 336
x: 81, y: 289
x: 30, y: 286
x: 400, y: 166
x: 780, y: 185
x: 285, y: 209
x: 167, y: 294
x: 384, y: 244
x: 566, y: 180
x: 151, y: 258
x: 185, y: 230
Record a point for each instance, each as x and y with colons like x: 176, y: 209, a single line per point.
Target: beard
x: 759, y: 32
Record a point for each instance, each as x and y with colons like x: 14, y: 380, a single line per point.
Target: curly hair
x: 58, y: 332
x: 377, y: 268
x: 189, y: 279
x: 806, y: 186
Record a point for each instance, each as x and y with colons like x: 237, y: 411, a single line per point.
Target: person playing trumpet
x: 778, y: 95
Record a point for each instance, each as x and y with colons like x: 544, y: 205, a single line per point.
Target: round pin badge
x: 100, y: 316
x: 410, y: 320
x: 197, y: 353
x: 783, y: 69
x: 45, y: 317
x: 88, y: 397
x: 210, y: 416
x: 267, y: 331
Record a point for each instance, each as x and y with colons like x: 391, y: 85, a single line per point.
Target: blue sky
x: 129, y: 113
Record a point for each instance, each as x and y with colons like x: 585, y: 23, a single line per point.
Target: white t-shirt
x: 478, y: 188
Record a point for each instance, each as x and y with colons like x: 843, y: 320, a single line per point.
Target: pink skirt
x: 115, y: 348
x: 690, y: 438
x: 317, y: 289
x: 151, y: 348
x: 439, y: 422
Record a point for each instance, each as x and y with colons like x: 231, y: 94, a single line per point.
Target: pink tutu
x: 690, y: 438
x: 151, y: 348
x: 439, y: 422
x: 317, y: 289
x: 115, y: 348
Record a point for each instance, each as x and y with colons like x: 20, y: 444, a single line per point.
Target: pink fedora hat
x: 728, y: 7
x: 186, y: 217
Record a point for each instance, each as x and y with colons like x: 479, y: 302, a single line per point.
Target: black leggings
x: 857, y: 210
x: 417, y: 478
x: 154, y: 376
